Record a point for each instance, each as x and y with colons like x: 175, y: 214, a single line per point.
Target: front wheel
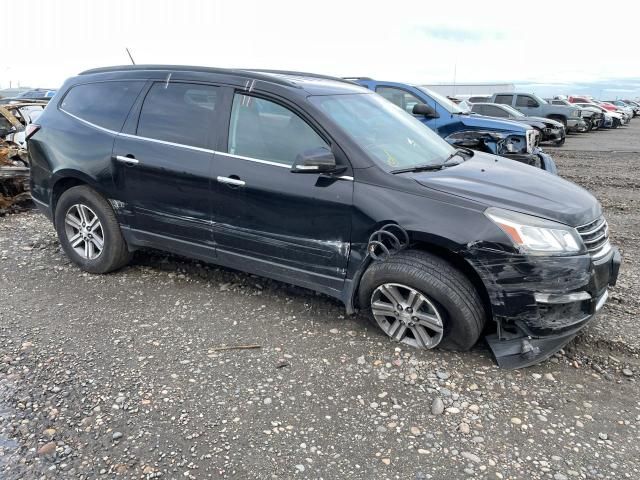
x: 89, y: 231
x: 423, y: 301
x: 560, y: 142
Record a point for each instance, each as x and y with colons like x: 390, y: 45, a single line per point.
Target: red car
x: 605, y: 105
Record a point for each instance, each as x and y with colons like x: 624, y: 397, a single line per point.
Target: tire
x: 559, y: 143
x: 84, y: 217
x: 453, y: 297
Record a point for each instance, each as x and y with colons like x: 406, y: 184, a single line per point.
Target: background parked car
x: 593, y: 117
x: 550, y: 130
x: 531, y: 104
x: 628, y: 109
x: 500, y: 137
x: 611, y: 119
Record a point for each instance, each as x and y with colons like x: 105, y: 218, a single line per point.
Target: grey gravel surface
x: 125, y: 375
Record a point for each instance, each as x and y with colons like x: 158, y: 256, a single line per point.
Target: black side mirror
x: 317, y: 160
x: 424, y: 109
x: 532, y: 103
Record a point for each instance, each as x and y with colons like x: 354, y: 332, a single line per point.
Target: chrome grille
x: 595, y: 236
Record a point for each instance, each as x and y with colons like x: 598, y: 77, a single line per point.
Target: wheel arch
x: 63, y: 180
x: 443, y: 249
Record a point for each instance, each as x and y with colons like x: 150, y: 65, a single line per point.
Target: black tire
x: 559, y: 143
x: 114, y: 253
x: 463, y: 314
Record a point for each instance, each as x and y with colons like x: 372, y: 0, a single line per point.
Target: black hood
x: 500, y: 182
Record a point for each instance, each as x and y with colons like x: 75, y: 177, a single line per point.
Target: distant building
x: 462, y: 90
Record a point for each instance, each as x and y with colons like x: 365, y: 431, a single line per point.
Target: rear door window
x: 495, y: 111
x: 105, y: 104
x: 506, y: 99
x: 265, y: 130
x: 523, y: 101
x: 181, y: 113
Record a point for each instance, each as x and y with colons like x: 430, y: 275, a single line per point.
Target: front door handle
x: 131, y: 161
x: 235, y: 182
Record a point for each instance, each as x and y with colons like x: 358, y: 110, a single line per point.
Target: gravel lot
x: 123, y: 375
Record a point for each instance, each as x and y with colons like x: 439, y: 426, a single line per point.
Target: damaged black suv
x: 321, y: 183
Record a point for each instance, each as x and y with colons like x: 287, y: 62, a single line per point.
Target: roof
x: 310, y: 82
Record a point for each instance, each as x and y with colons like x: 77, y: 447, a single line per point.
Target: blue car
x: 458, y: 127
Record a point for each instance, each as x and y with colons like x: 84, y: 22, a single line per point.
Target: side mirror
x: 317, y: 160
x: 532, y: 103
x: 424, y: 109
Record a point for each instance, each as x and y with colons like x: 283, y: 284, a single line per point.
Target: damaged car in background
x: 318, y: 182
x: 550, y: 130
x: 14, y: 164
x: 490, y: 135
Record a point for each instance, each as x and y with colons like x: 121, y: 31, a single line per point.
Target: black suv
x: 321, y: 183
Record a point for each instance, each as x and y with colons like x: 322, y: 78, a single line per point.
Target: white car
x: 617, y: 118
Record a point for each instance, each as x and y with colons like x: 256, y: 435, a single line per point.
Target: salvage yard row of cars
x: 440, y: 224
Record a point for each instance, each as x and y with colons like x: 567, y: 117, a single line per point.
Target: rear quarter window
x: 105, y: 104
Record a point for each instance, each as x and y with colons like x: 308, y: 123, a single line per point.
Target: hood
x: 479, y: 122
x: 547, y: 121
x: 499, y: 182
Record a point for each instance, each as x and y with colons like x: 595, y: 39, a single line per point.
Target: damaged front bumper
x: 576, y: 125
x: 541, y: 303
x: 537, y: 158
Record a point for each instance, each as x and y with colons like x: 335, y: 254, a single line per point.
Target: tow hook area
x: 523, y: 351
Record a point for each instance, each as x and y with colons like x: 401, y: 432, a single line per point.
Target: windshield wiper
x: 419, y: 168
x: 464, y: 153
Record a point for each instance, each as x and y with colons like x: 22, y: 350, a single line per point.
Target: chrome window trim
x: 251, y: 159
x: 86, y: 122
x: 165, y: 142
x: 190, y: 147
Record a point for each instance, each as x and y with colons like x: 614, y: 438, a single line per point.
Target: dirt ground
x: 123, y: 376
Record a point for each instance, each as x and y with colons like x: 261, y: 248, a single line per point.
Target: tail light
x: 31, y: 129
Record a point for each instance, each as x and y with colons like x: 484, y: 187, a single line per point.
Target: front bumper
x: 576, y: 124
x: 553, y: 134
x: 537, y: 159
x: 541, y: 303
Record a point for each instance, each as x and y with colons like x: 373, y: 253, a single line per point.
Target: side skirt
x: 321, y: 283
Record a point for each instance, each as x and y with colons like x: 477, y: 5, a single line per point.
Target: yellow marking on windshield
x: 390, y: 159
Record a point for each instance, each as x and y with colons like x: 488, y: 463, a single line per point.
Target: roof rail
x: 357, y: 78
x: 301, y: 74
x: 254, y: 74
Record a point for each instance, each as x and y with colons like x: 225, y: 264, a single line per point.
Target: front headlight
x: 536, y: 236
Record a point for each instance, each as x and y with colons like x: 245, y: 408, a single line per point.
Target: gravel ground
x: 124, y: 375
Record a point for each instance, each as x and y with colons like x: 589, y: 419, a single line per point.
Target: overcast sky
x: 414, y: 41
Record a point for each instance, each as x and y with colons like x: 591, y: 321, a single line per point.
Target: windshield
x: 512, y: 111
x: 392, y: 137
x: 447, y: 104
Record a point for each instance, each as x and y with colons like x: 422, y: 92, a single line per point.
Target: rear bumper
x: 541, y: 303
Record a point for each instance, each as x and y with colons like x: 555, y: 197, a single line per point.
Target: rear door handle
x: 236, y: 182
x: 131, y: 161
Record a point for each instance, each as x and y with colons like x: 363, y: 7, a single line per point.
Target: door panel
x: 300, y: 221
x: 167, y: 182
x: 168, y: 189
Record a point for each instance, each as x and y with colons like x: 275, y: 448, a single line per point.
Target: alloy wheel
x: 84, y: 231
x: 407, y: 315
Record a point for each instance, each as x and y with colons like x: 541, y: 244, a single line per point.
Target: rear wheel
x: 423, y: 301
x: 89, y: 231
